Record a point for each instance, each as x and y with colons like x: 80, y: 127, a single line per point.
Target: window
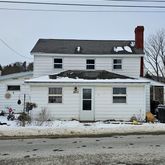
x: 58, y: 63
x: 55, y: 95
x: 119, y: 95
x: 87, y: 99
x: 90, y: 64
x: 13, y: 88
x: 117, y: 64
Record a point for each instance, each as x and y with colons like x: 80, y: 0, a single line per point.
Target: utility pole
x: 24, y: 103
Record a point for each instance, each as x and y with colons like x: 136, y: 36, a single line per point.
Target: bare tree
x: 155, y: 54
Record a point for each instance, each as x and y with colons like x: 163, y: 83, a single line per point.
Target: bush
x: 24, y: 118
x: 2, y: 113
x: 30, y: 106
x: 43, y: 117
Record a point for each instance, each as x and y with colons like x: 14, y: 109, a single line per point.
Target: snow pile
x: 128, y: 49
x: 74, y: 128
x: 118, y: 49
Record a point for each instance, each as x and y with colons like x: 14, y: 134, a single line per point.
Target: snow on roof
x: 128, y: 49
x: 153, y: 82
x: 46, y: 79
x: 118, y: 49
x: 125, y: 48
x: 16, y: 75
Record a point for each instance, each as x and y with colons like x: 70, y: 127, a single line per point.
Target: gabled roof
x: 72, y: 46
x: 88, y: 75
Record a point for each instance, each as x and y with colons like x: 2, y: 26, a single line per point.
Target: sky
x: 20, y: 29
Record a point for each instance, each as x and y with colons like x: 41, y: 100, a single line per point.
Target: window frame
x: 88, y: 65
x: 84, y: 99
x: 119, y: 95
x: 12, y: 88
x: 55, y: 95
x: 58, y: 63
x: 117, y: 64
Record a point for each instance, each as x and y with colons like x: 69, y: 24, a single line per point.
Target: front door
x: 87, y: 111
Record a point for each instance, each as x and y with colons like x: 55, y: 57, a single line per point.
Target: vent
x: 78, y: 49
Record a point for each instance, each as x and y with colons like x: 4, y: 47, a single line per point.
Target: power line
x: 83, y: 4
x: 81, y: 11
x: 149, y: 1
x: 13, y: 50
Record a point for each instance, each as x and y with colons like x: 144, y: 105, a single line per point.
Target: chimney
x: 139, y: 37
x: 139, y: 44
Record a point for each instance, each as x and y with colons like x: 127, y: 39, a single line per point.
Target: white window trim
x: 91, y: 64
x: 119, y: 95
x: 57, y: 63
x: 61, y: 95
x: 117, y: 64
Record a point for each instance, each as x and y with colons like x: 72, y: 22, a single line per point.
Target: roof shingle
x: 89, y: 75
x: 69, y: 46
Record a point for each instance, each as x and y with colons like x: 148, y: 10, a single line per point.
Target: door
x: 87, y: 110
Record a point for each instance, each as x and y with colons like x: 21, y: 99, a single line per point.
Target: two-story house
x: 90, y: 80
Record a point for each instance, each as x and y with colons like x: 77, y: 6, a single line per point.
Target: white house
x: 12, y: 89
x: 90, y: 80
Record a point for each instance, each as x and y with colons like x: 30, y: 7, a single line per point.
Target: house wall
x: 15, y: 95
x: 147, y: 90
x: 104, y: 109
x: 68, y: 109
x: 43, y: 65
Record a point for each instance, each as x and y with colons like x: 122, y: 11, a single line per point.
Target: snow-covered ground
x: 75, y: 128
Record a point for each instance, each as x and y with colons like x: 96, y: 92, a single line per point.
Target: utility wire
x: 149, y: 1
x: 13, y: 50
x: 81, y: 11
x: 83, y: 4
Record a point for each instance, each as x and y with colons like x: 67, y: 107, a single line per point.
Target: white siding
x: 106, y: 109
x: 43, y: 65
x: 147, y: 89
x: 74, y: 63
x: 68, y: 109
x: 130, y: 67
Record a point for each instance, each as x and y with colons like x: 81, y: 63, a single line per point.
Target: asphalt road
x: 116, y: 150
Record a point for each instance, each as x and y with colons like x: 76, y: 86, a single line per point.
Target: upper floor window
x: 90, y: 64
x: 55, y: 95
x: 13, y: 87
x: 119, y: 95
x: 117, y: 64
x: 58, y: 63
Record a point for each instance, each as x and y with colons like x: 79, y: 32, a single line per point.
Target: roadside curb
x: 79, y: 136
x: 27, y: 133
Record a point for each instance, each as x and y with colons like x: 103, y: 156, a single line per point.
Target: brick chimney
x: 139, y: 37
x: 139, y: 44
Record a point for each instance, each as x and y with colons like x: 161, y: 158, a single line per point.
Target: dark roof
x: 89, y: 75
x: 70, y: 46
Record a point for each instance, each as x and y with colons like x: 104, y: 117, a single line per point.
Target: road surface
x: 116, y: 150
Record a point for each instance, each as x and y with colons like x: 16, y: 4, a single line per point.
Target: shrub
x: 43, y: 116
x: 24, y: 118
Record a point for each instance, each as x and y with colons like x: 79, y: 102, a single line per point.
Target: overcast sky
x: 20, y: 29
